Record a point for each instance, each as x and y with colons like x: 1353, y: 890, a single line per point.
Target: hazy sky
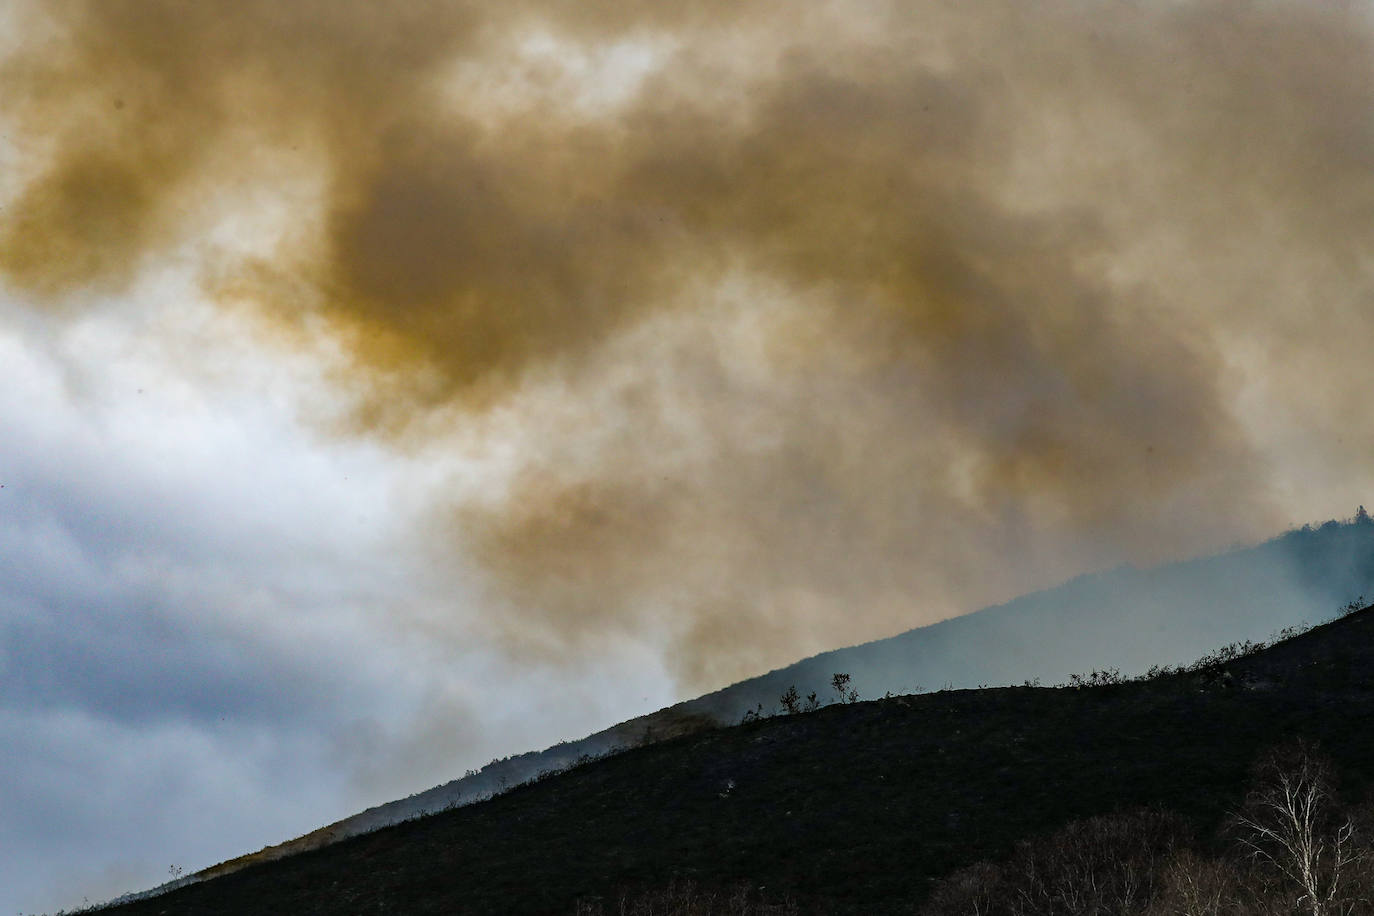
x: 386, y: 387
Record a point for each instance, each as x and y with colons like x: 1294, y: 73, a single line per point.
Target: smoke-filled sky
x: 384, y: 387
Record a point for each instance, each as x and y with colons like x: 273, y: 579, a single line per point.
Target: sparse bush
x: 1213, y: 662
x: 1212, y: 665
x: 1194, y: 885
x: 1095, y: 678
x: 839, y: 682
x: 790, y: 700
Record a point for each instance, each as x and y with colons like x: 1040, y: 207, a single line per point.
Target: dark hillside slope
x: 853, y: 809
x: 1127, y: 618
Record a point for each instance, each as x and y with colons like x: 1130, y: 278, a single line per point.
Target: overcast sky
x: 389, y: 387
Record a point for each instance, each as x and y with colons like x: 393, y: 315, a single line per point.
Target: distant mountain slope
x: 1126, y: 618
x: 854, y: 809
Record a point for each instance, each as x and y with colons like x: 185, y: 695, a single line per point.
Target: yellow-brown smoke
x: 828, y: 320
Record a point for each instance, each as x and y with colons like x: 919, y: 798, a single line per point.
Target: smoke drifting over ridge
x: 805, y: 323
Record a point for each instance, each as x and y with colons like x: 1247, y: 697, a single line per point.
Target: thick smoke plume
x: 798, y: 323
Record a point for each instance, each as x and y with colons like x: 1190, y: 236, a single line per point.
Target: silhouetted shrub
x: 839, y: 682
x: 790, y: 700
x: 1104, y: 678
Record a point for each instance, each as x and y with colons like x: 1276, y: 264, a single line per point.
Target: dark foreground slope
x: 1126, y: 618
x: 851, y: 809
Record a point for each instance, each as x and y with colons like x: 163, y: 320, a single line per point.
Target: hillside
x: 1126, y: 619
x: 855, y: 808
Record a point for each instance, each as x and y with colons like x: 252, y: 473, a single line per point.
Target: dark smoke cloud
x: 844, y: 321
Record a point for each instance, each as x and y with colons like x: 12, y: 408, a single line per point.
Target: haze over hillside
x: 861, y: 808
x: 1125, y: 619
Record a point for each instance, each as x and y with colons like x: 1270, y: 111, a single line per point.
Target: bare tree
x: 840, y: 683
x: 790, y: 700
x: 1291, y: 824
